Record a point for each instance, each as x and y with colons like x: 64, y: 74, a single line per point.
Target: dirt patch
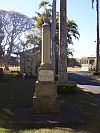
x: 75, y: 69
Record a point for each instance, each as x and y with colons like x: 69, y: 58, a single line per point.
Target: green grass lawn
x: 15, y: 90
x: 46, y: 130
x: 12, y: 91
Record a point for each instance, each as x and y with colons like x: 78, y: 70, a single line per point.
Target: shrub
x: 1, y: 72
x: 96, y: 73
x: 56, y: 78
x: 67, y: 88
x: 8, y: 76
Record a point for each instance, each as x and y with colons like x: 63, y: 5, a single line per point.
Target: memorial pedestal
x: 45, y: 89
x: 45, y: 104
x: 45, y: 99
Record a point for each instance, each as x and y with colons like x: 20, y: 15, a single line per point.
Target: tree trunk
x: 53, y: 32
x: 97, y: 47
x: 62, y: 64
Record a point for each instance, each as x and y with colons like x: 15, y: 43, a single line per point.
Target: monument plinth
x: 45, y: 99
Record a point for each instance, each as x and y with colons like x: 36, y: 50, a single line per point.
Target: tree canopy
x: 72, y: 27
x: 1, y: 38
x: 14, y: 24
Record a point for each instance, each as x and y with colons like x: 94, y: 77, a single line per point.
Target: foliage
x: 73, y: 62
x: 72, y: 27
x: 96, y: 73
x: 70, y: 87
x: 1, y: 72
x: 15, y: 24
x: 92, y: 62
x: 1, y: 38
x: 34, y: 39
x: 1, y: 31
x: 92, y: 3
x: 44, y: 4
x: 72, y: 31
x: 41, y: 130
x: 39, y: 18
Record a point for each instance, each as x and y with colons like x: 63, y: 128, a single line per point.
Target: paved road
x: 86, y: 82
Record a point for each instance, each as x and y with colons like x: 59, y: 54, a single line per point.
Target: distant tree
x: 1, y: 38
x: 92, y: 62
x: 1, y: 31
x: 72, y: 62
x: 15, y: 24
x: 34, y: 39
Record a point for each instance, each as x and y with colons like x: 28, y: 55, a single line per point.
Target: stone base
x: 48, y: 104
x: 43, y: 89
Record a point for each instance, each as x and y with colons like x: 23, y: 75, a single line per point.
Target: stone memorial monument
x: 45, y: 99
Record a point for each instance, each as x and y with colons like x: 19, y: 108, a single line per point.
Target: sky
x: 78, y: 10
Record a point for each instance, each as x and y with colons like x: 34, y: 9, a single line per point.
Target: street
x: 85, y: 81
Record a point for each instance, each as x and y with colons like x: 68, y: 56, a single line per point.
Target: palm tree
x: 70, y: 25
x: 97, y: 47
x: 39, y: 19
x: 72, y: 31
x: 53, y: 33
x: 62, y: 62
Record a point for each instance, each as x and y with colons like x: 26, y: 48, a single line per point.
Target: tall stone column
x: 45, y: 43
x: 45, y: 99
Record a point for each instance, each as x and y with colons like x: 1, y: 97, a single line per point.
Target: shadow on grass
x: 79, y: 111
x: 83, y: 79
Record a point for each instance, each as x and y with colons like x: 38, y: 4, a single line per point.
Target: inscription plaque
x: 46, y: 75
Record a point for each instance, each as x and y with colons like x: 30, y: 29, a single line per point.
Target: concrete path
x: 86, y: 82
x: 93, y: 89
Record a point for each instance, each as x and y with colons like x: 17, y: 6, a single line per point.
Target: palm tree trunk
x: 53, y: 32
x: 97, y: 47
x: 62, y: 63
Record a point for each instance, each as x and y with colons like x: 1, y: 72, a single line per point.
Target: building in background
x: 88, y: 63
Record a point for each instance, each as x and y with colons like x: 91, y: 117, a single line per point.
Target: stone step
x: 49, y: 124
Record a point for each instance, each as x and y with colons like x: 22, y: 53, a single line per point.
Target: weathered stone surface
x: 45, y: 67
x: 45, y: 89
x: 29, y: 61
x: 46, y: 43
x: 45, y: 104
x: 46, y: 75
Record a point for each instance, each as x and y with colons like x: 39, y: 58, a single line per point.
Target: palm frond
x: 43, y: 3
x: 93, y: 3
